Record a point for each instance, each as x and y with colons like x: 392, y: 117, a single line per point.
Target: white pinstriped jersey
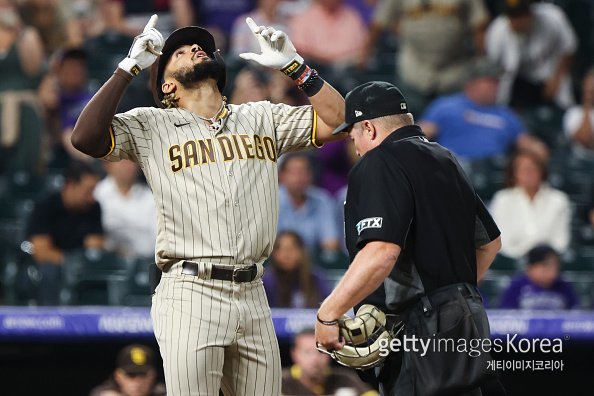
x: 216, y: 193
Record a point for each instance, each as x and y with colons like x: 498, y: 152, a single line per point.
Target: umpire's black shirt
x: 413, y: 193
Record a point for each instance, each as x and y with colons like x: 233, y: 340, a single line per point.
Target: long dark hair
x: 301, y: 278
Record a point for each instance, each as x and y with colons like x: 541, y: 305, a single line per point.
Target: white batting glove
x: 278, y: 52
x: 145, y: 49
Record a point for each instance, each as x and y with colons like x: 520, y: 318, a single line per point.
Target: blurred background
x: 506, y: 85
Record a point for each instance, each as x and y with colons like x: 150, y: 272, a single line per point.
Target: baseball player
x: 212, y: 167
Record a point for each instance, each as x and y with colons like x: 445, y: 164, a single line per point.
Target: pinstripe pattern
x: 216, y: 194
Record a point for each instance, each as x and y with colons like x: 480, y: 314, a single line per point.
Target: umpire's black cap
x: 371, y: 100
x: 186, y: 36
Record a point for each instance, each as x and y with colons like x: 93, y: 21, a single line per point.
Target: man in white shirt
x: 129, y: 217
x: 534, y: 44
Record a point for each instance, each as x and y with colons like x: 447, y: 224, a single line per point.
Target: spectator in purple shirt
x: 540, y: 286
x: 289, y: 280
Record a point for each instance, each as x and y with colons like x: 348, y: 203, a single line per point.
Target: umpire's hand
x: 145, y: 49
x: 327, y: 336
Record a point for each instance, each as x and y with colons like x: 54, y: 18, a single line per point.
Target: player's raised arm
x: 278, y: 52
x: 91, y: 132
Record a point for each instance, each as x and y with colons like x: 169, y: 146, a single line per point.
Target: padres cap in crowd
x: 371, y: 100
x: 135, y: 359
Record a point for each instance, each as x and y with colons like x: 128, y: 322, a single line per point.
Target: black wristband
x: 313, y: 84
x: 327, y: 322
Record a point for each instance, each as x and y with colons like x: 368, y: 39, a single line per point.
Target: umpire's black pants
x: 444, y: 317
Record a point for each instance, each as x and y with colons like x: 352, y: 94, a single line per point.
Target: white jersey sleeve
x: 129, y: 131
x: 295, y: 127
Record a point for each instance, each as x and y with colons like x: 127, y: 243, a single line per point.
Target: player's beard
x: 190, y: 76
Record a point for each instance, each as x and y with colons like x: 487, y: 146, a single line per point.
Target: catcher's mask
x: 184, y: 36
x: 362, y: 335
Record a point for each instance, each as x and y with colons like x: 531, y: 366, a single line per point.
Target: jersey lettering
x: 269, y: 147
x: 236, y: 147
x: 190, y: 153
x: 238, y: 151
x: 176, y: 158
x: 226, y: 147
x: 206, y: 151
x: 258, y: 146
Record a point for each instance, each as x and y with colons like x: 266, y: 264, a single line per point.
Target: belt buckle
x: 235, y: 273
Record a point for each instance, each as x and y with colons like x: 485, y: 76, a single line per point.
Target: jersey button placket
x: 227, y: 184
x: 232, y: 200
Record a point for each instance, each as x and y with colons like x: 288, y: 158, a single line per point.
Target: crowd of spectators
x: 493, y: 81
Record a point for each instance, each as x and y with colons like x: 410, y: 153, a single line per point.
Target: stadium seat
x: 105, y: 52
x: 545, y: 122
x: 583, y: 285
x: 94, y: 277
x: 487, y: 176
x: 20, y: 276
x: 504, y: 263
x: 138, y: 288
x: 586, y: 235
x: 579, y: 259
x: 493, y: 286
x: 332, y: 261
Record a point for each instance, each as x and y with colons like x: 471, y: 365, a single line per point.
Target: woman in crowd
x: 290, y: 281
x: 530, y: 212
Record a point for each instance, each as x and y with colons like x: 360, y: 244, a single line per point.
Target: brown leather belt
x: 237, y: 275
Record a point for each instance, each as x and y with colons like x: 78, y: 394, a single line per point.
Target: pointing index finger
x: 151, y: 23
x: 253, y: 26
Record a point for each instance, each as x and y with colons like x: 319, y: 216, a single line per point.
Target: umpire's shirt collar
x: 406, y: 132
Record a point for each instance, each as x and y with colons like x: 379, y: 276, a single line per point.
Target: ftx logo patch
x: 371, y: 222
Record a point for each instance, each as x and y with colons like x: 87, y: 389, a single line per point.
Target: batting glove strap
x: 130, y: 66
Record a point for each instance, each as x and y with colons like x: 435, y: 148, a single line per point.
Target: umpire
x: 419, y: 238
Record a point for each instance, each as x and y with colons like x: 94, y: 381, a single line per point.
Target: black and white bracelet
x: 327, y: 322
